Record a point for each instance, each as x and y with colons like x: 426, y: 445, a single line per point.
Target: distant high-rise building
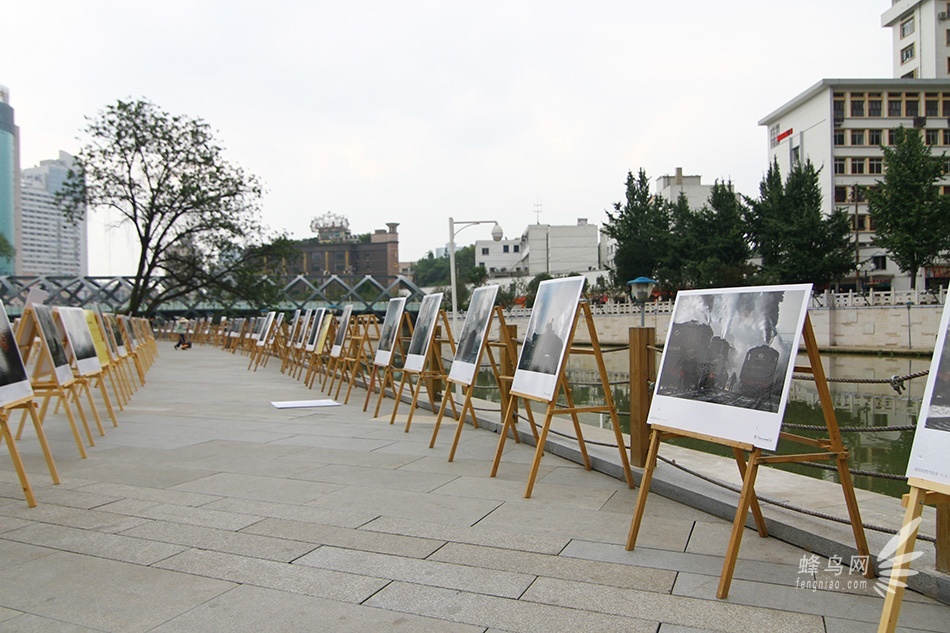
x: 49, y: 243
x: 671, y: 187
x: 9, y: 178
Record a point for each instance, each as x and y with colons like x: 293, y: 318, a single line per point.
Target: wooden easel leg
x: 539, y: 452
x: 41, y: 435
x: 371, y: 389
x: 644, y: 490
x: 851, y: 500
x: 387, y: 379
x: 95, y: 410
x: 82, y: 413
x: 438, y: 423
x: 896, y: 585
x: 503, y: 435
x: 17, y: 463
x: 577, y: 425
x: 754, y: 503
x: 402, y: 385
x: 461, y: 423
x: 107, y: 400
x: 415, y: 400
x: 738, y: 524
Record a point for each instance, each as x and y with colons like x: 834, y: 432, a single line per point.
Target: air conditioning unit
x: 920, y: 121
x: 942, y: 16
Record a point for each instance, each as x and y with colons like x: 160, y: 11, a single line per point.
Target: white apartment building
x: 48, y: 243
x: 842, y: 124
x: 501, y: 257
x: 543, y: 248
x: 670, y: 187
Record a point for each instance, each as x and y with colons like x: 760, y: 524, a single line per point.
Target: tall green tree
x: 796, y: 241
x: 195, y: 215
x: 641, y: 226
x: 911, y: 217
x: 720, y: 248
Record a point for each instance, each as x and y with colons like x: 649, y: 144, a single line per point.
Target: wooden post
x: 943, y: 537
x: 507, y: 362
x: 642, y: 371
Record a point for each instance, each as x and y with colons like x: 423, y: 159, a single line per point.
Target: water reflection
x: 857, y: 405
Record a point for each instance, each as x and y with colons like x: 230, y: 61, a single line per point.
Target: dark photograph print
x: 550, y: 325
x: 731, y: 348
x: 77, y: 331
x: 938, y: 412
x: 12, y: 371
x: 50, y: 334
x: 387, y: 336
x: 343, y: 326
x: 315, y: 329
x: 476, y: 324
x: 422, y: 333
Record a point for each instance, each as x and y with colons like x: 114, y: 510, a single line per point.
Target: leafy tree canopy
x: 641, y: 226
x: 195, y: 215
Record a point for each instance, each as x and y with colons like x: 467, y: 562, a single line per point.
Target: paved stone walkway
x: 208, y: 509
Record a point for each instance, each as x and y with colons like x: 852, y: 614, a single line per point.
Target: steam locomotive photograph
x: 731, y: 349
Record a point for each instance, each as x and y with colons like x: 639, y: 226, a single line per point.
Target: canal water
x: 872, y: 408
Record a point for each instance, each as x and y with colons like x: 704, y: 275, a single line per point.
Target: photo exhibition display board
x: 728, y: 362
x: 472, y: 337
x: 337, y: 350
x: 315, y: 328
x: 80, y: 340
x: 14, y: 381
x: 265, y: 329
x: 387, y: 337
x: 545, y: 341
x: 422, y: 334
x: 930, y: 452
x: 54, y: 343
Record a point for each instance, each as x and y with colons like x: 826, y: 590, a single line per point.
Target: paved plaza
x: 208, y: 509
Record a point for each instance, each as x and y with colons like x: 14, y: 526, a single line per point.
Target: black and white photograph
x: 79, y: 339
x: 928, y: 454
x: 14, y: 382
x: 266, y: 326
x: 315, y: 326
x: 53, y: 339
x: 343, y: 327
x: 728, y: 361
x: 389, y: 331
x: 472, y: 337
x: 422, y: 333
x: 546, y: 339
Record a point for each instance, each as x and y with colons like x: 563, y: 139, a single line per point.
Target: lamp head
x: 497, y: 232
x: 641, y: 288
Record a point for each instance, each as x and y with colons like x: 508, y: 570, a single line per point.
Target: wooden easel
x: 503, y: 369
x: 386, y: 373
x: 359, y: 352
x: 749, y: 458
x: 432, y: 370
x: 319, y: 357
x: 133, y: 347
x: 922, y: 492
x: 6, y: 436
x: 105, y: 359
x: 582, y: 311
x: 86, y: 373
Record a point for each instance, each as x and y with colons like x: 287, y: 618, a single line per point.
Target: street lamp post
x: 640, y: 290
x: 496, y: 234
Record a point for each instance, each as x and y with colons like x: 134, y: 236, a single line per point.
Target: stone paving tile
x: 475, y: 535
x: 608, y: 527
x: 611, y: 574
x: 103, y: 594
x: 15, y: 553
x: 148, y: 475
x: 155, y: 495
x: 72, y: 517
x: 181, y: 514
x: 251, y: 465
x: 583, y: 479
x: 362, y: 540
x: 500, y: 613
x: 825, y: 603
x: 9, y: 523
x: 318, y: 455
x: 7, y: 614
x: 423, y: 572
x: 68, y: 497
x: 241, y: 543
x: 838, y: 625
x: 712, y: 538
x: 342, y: 443
x: 291, y: 512
x: 29, y: 623
x: 711, y: 614
x: 680, y: 561
x: 252, y: 610
x: 412, y: 505
x: 474, y: 468
x: 140, y: 551
x: 368, y: 477
x: 261, y: 488
x: 624, y: 502
x: 504, y: 490
x: 301, y: 579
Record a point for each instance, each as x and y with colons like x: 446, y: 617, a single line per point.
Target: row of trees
x: 783, y: 235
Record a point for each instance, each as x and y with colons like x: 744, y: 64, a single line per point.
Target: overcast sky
x: 411, y: 112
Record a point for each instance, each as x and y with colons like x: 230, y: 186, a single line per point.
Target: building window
x: 931, y: 107
x: 891, y: 137
x: 504, y: 248
x: 874, y: 138
x: 859, y: 222
x: 946, y: 137
x: 773, y: 135
x: 857, y: 166
x: 911, y: 107
x: 796, y: 155
x: 839, y: 166
x: 517, y: 247
x: 907, y: 54
x: 879, y: 261
x: 894, y: 106
x: 874, y: 107
x: 931, y: 137
x: 857, y: 106
x: 907, y: 27
x: 841, y: 193
x: 857, y: 137
x: 839, y: 137
x: 484, y: 251
x: 875, y: 165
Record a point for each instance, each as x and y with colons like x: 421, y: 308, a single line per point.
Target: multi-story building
x: 501, y: 257
x: 49, y: 244
x: 336, y: 251
x: 841, y: 125
x: 9, y: 179
x: 671, y: 187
